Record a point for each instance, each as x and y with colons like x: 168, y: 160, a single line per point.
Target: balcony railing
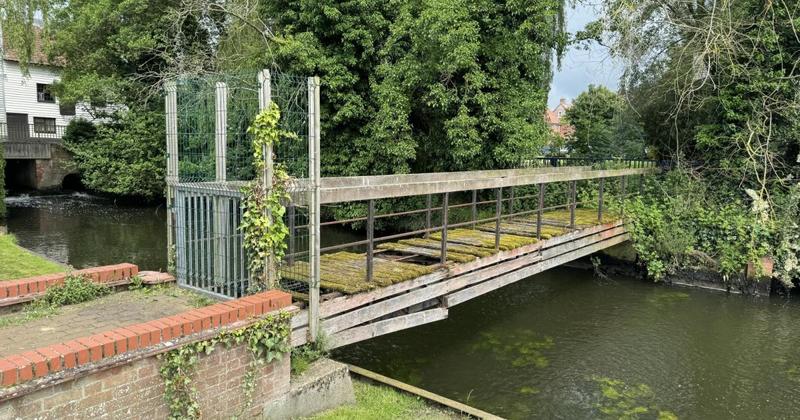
x: 31, y: 133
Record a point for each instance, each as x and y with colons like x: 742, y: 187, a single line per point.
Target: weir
x: 445, y: 238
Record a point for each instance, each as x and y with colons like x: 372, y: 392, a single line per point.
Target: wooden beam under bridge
x: 349, y: 319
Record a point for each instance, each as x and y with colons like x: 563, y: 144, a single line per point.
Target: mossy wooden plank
x: 484, y: 239
x: 451, y: 247
x: 346, y: 272
x: 428, y: 252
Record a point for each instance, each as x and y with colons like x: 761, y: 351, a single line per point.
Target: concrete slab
x: 325, y: 385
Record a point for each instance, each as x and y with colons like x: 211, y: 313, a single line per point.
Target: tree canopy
x: 604, y: 126
x: 423, y: 85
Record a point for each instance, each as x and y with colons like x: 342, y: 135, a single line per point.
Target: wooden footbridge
x: 430, y: 241
x: 404, y: 279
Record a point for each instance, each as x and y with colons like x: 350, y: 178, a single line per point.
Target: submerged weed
x: 520, y: 348
x: 620, y: 400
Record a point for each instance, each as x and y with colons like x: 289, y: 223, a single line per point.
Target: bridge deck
x: 407, y: 259
x: 410, y: 287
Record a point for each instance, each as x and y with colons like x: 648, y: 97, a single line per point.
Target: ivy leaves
x: 267, y: 340
x: 263, y: 209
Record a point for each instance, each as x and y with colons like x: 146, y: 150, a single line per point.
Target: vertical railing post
x: 641, y: 184
x: 171, y: 113
x: 474, y: 207
x: 314, y: 207
x: 264, y: 99
x: 600, y: 188
x: 539, y: 212
x: 498, y: 210
x: 445, y: 216
x: 511, y: 200
x: 221, y: 203
x: 370, y: 237
x: 624, y: 188
x: 428, y: 205
x: 572, y: 204
x: 290, y: 212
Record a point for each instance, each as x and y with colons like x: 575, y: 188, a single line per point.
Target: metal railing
x: 559, y: 161
x: 31, y: 133
x: 487, y: 206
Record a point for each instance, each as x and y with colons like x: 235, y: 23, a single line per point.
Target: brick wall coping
x: 26, y: 289
x: 27, y: 372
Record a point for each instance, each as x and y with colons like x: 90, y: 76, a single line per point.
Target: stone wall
x: 50, y: 173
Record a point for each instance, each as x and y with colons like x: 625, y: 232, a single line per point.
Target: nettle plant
x: 263, y: 205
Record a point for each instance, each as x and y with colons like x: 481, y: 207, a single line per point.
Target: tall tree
x: 604, y: 126
x: 423, y: 85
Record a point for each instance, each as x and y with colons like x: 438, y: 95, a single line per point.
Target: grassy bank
x: 376, y: 402
x: 17, y: 262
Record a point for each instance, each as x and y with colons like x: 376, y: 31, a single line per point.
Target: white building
x: 28, y: 109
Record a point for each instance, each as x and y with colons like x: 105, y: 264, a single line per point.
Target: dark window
x: 44, y: 125
x: 43, y: 93
x: 66, y: 109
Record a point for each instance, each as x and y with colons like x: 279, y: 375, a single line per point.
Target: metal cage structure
x: 209, y: 161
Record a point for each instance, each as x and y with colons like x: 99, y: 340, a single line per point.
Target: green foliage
x: 303, y: 356
x: 126, y: 157
x: 79, y: 132
x: 622, y: 401
x: 262, y: 219
x: 266, y: 339
x: 679, y: 222
x: 374, y: 402
x: 604, y: 126
x: 423, y: 86
x: 75, y: 289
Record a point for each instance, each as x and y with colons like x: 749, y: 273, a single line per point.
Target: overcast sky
x: 580, y: 68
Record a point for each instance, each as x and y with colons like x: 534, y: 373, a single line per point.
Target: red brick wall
x: 116, y: 374
x: 136, y: 390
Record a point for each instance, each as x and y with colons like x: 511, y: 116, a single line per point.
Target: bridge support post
x: 601, y: 185
x: 641, y: 184
x: 264, y: 99
x: 572, y: 203
x: 370, y: 238
x: 474, y: 207
x: 445, y: 216
x: 171, y: 113
x: 498, y: 210
x: 290, y: 212
x: 428, y: 205
x: 221, y: 203
x: 539, y: 213
x: 313, y: 207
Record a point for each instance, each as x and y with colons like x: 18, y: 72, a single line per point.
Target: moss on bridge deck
x: 407, y: 259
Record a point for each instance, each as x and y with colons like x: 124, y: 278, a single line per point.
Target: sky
x: 580, y: 68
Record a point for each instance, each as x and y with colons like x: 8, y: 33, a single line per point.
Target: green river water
x: 562, y: 344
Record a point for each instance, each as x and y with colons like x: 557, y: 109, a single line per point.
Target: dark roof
x: 38, y: 56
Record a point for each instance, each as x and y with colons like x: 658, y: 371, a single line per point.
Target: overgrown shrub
x: 680, y: 222
x: 127, y: 156
x: 75, y: 289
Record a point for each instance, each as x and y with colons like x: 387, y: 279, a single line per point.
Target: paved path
x: 109, y: 312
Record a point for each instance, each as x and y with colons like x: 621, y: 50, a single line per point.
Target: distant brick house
x: 555, y: 119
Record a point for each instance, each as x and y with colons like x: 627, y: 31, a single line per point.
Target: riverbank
x: 17, y: 262
x: 378, y: 401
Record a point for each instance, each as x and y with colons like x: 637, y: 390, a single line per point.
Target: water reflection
x: 83, y: 230
x: 565, y: 345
